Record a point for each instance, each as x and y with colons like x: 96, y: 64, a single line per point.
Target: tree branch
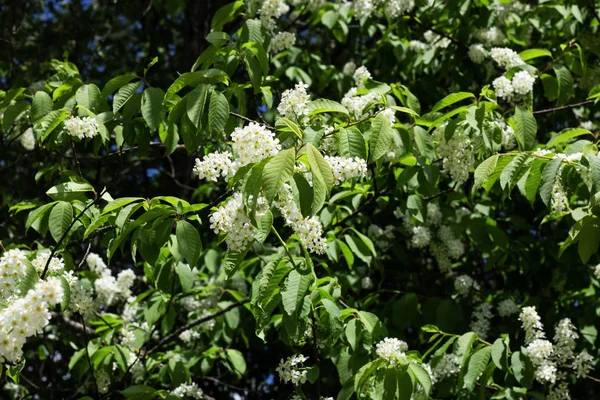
x: 564, y: 107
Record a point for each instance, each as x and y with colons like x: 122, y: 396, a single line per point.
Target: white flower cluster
x: 506, y: 58
x: 531, y: 323
x: 477, y: 53
x: 253, y: 143
x: 559, y: 201
x: 383, y: 238
x: 188, y: 390
x: 389, y: 114
x: 81, y: 300
x: 361, y: 75
x: 522, y: 84
x: 349, y: 68
x: 282, y: 41
x: 463, y: 285
x: 309, y: 230
x: 367, y: 283
x: 230, y: 219
x: 346, y: 168
x: 596, y: 271
x: 294, y: 101
x: 108, y: 288
x: 503, y: 87
x: 56, y: 264
x: 458, y: 155
x: 509, y: 140
x: 291, y: 369
x: 356, y: 103
x: 214, y: 165
x: 508, y: 307
x: 421, y: 236
x: 481, y: 320
x: 417, y: 46
x: 448, y: 366
x: 391, y: 349
x: 589, y: 125
x: 82, y: 128
x: 491, y: 36
x: 27, y: 139
x: 271, y: 10
x: 393, y: 8
x: 454, y: 245
x: 12, y: 267
x: 434, y: 214
x: 27, y: 316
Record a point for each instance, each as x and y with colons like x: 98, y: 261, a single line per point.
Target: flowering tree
x: 365, y: 199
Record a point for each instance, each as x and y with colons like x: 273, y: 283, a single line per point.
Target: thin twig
x: 87, y: 354
x: 75, y: 157
x: 564, y: 107
x: 249, y: 120
x: 85, y: 256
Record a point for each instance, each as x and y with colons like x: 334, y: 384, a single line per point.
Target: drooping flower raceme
x: 56, y: 264
x: 507, y: 307
x: 346, y: 168
x: 464, y: 284
x: 82, y: 128
x: 230, y: 219
x: 356, y: 103
x: 477, y: 53
x: 294, y: 101
x: 12, y: 267
x: 506, y: 58
x: 291, y: 370
x: 481, y: 319
x: 270, y: 11
x: 361, y: 75
x: 458, y: 157
x: 188, y: 390
x: 532, y: 324
x: 214, y: 165
x: 503, y: 87
x: 522, y: 82
x: 282, y: 41
x: 253, y: 143
x: 391, y: 349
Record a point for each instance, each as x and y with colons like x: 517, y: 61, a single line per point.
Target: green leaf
x: 122, y: 357
x: 278, y: 171
x: 525, y: 128
x: 322, y: 176
x: 588, y: 239
x: 381, y: 137
x: 185, y: 274
x: 477, y: 365
x: 236, y: 359
x: 188, y: 241
x: 550, y: 84
x: 533, y: 179
x: 565, y: 83
x: 549, y: 176
x: 424, y: 143
x: 404, y: 110
x: 352, y: 143
x: 522, y: 368
x: 264, y: 227
x: 124, y: 94
x: 405, y: 385
x: 218, y: 39
x: 120, y: 203
x: 451, y: 99
x: 500, y: 354
x: 226, y: 14
x: 484, y: 170
x: 153, y: 110
x: 195, y: 104
x: 321, y: 106
x: 52, y: 120
x: 260, y: 54
x: 421, y: 375
x: 294, y: 290
x: 363, y: 374
x: 530, y: 54
x: 218, y: 112
x: 254, y: 72
x: 69, y: 190
x: 193, y: 79
x: 37, y: 214
x: 139, y: 392
x: 29, y: 278
x: 40, y: 106
x: 291, y: 125
x: 89, y: 97
x: 567, y: 134
x: 116, y: 83
x: 513, y: 170
x: 61, y: 217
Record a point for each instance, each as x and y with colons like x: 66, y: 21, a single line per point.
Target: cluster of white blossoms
x: 361, y: 74
x: 291, y: 370
x: 458, y: 154
x: 309, y: 230
x: 521, y: 84
x: 434, y: 214
x: 503, y: 87
x: 531, y: 323
x: 448, y: 366
x: 421, y: 236
x: 82, y: 128
x: 230, y: 219
x: 383, y: 238
x: 417, y: 46
x: 508, y: 307
x: 349, y: 68
x: 589, y: 125
x: 463, y: 285
x: 481, y: 319
x: 356, y: 103
x: 346, y: 168
x: 253, y: 143
x: 12, y: 268
x: 27, y: 316
x: 81, y: 300
x: 389, y: 114
x: 367, y: 283
x: 506, y: 58
x: 188, y: 390
x: 272, y: 10
x: 214, y: 165
x: 391, y: 349
x: 393, y: 8
x: 509, y: 140
x: 477, y: 53
x: 491, y: 36
x: 559, y: 201
x: 597, y: 271
x: 56, y: 264
x: 282, y: 41
x: 27, y: 139
x: 294, y: 102
x: 454, y: 245
x: 108, y: 288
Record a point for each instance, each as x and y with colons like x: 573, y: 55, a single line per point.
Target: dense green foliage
x: 416, y: 198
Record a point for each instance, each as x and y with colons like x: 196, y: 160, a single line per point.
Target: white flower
x: 508, y: 135
x: 367, y: 283
x: 282, y: 41
x: 463, y: 285
x: 96, y: 264
x: 481, y: 319
x: 82, y: 128
x: 417, y: 46
x: 597, y: 271
x: 522, y: 82
x: 564, y: 341
x: 583, y: 364
x: 541, y: 153
x: 56, y: 264
x: 253, y: 143
x: 539, y: 350
x: 391, y: 349
x: 27, y: 139
x: 454, y: 245
x: 477, y: 53
x: 230, y: 219
x: 363, y: 8
x: 503, y: 87
x: 589, y: 125
x: 12, y: 267
x: 458, y: 154
x: 447, y: 366
x: 270, y: 10
x: 294, y: 101
x: 532, y: 324
x: 346, y: 168
x: 395, y: 8
x: 186, y: 390
x: 214, y: 165
x: 357, y: 103
x: 389, y: 114
x: 349, y: 68
x: 507, y: 308
x: 361, y: 75
x: 546, y: 372
x: 421, y: 236
x: 291, y: 369
x: 506, y: 58
x: 491, y: 36
x: 559, y: 201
